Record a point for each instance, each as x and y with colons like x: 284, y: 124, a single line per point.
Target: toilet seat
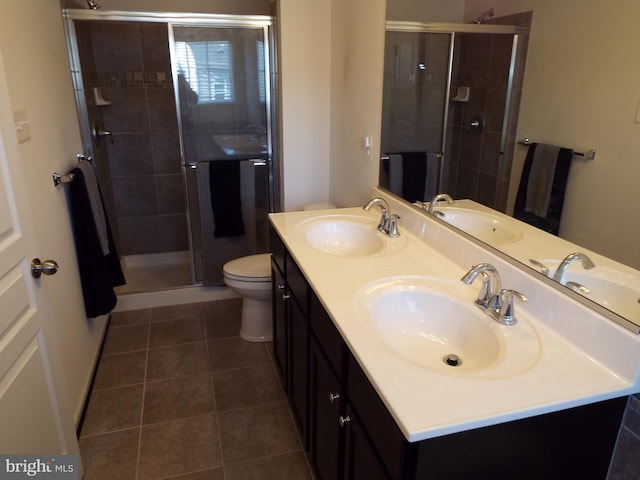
x: 253, y: 268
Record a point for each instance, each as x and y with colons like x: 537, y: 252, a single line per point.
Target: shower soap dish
x: 100, y: 102
x: 462, y: 95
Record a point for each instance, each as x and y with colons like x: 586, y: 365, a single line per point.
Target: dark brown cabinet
x: 349, y: 433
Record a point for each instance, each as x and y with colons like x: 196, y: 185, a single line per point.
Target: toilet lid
x: 253, y: 268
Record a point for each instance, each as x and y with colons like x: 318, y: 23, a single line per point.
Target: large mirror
x: 576, y: 88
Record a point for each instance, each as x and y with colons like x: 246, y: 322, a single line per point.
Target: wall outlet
x: 366, y: 144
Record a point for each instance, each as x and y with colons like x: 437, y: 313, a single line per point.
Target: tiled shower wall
x: 476, y: 167
x: 139, y: 163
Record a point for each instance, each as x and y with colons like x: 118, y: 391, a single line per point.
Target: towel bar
x: 589, y: 155
x: 58, y: 179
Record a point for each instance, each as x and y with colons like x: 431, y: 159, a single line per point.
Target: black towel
x: 414, y: 175
x: 551, y: 222
x: 224, y: 184
x: 99, y: 273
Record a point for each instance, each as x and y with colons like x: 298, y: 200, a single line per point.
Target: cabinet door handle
x: 281, y: 286
x: 286, y: 296
x: 344, y: 420
x: 333, y: 397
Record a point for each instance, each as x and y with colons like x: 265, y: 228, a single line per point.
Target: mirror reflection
x: 454, y: 123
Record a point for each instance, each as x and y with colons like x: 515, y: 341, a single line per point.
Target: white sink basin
x: 348, y: 236
x: 425, y: 320
x: 488, y: 228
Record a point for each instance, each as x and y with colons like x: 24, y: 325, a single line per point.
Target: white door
x: 32, y: 417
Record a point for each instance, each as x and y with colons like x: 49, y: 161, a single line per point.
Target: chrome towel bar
x: 58, y: 179
x: 588, y: 155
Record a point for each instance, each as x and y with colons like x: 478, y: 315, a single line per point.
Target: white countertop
x: 585, y: 358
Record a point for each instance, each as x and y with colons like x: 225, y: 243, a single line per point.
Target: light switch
x: 22, y: 125
x: 638, y: 113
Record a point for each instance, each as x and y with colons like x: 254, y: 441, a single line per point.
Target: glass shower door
x: 221, y: 83
x: 416, y: 83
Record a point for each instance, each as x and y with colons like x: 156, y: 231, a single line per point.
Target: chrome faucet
x: 494, y: 301
x: 438, y: 198
x: 388, y: 221
x: 488, y: 296
x: 568, y: 260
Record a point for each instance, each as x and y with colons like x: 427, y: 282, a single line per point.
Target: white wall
x: 426, y: 11
x: 357, y: 58
x: 305, y: 76
x: 581, y: 90
x: 33, y: 46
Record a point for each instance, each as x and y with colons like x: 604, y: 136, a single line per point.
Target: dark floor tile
x: 130, y: 317
x: 223, y: 306
x: 120, y: 370
x: 235, y: 353
x: 215, y: 474
x: 110, y: 456
x: 626, y: 461
x: 288, y: 466
x: 115, y: 409
x: 256, y: 432
x: 179, y: 447
x: 178, y: 398
x: 176, y: 332
x: 222, y: 325
x: 130, y: 338
x: 173, y: 312
x: 246, y: 387
x: 177, y: 361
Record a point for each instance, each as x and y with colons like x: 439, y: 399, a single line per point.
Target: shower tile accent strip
x: 179, y: 394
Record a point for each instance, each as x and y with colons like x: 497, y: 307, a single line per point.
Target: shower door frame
x: 173, y: 19
x: 452, y: 29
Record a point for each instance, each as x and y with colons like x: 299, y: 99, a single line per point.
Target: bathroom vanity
x: 547, y: 403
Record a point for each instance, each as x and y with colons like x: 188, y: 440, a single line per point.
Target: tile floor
x: 178, y: 395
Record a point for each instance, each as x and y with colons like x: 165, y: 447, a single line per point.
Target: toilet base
x: 256, y: 325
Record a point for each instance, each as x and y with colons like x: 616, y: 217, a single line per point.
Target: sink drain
x: 452, y: 360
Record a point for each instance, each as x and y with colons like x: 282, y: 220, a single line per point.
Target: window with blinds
x: 208, y: 68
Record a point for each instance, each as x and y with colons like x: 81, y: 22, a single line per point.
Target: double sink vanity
x: 395, y: 368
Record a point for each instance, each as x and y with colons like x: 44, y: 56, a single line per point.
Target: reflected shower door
x: 416, y: 82
x: 221, y: 82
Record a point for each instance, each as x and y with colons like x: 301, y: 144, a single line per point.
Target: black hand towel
x: 414, y: 174
x: 224, y: 183
x: 99, y: 273
x: 551, y: 221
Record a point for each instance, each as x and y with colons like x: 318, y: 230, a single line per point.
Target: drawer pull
x: 333, y: 397
x: 344, y: 420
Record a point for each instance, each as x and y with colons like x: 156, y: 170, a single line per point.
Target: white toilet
x: 250, y: 277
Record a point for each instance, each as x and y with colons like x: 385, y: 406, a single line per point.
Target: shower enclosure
x: 451, y: 93
x: 176, y: 113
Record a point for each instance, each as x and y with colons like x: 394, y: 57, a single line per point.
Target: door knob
x: 48, y: 267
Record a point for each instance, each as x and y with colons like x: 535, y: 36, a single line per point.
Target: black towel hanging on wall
x: 99, y: 273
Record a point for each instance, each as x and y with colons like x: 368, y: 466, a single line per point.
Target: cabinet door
x: 326, y: 406
x: 299, y: 368
x: 360, y: 457
x: 279, y: 302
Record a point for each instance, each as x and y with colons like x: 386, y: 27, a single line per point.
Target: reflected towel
x: 550, y: 222
x: 543, y: 168
x: 414, y: 174
x: 224, y: 184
